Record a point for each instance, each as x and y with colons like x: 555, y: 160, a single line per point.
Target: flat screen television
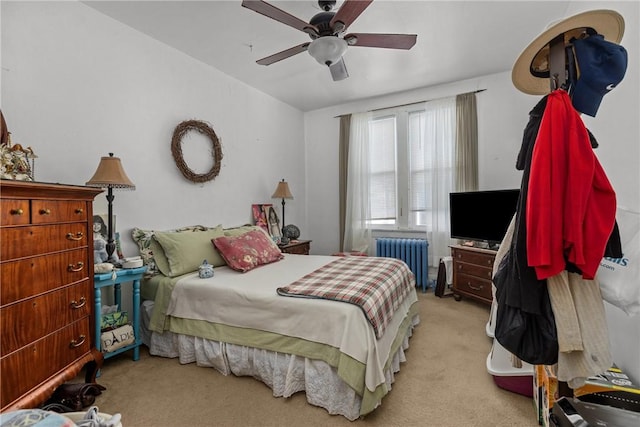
x: 482, y: 215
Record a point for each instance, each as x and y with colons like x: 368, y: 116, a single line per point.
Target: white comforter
x: 249, y: 300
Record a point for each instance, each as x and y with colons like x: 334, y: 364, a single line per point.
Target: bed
x: 262, y: 322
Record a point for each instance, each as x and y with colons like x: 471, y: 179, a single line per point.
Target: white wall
x: 502, y: 116
x: 77, y: 85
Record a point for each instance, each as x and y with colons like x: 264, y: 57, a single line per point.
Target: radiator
x: 414, y: 252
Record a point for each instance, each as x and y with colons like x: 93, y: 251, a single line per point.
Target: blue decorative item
x: 205, y: 270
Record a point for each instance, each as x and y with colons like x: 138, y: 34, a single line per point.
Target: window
x: 404, y: 149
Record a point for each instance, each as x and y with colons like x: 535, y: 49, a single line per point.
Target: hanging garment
x: 571, y: 205
x: 520, y: 289
x: 581, y: 323
x: 524, y: 319
x: 529, y: 336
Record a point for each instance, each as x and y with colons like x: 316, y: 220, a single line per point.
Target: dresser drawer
x: 42, y: 273
x: 43, y: 359
x: 26, y: 321
x: 48, y: 211
x: 472, y: 257
x: 298, y: 250
x: 14, y: 212
x: 474, y: 285
x: 474, y: 270
x: 21, y: 242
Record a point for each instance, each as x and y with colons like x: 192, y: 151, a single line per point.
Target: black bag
x: 73, y: 397
x: 531, y: 336
x: 441, y: 281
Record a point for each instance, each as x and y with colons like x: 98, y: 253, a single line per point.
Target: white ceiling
x: 456, y: 40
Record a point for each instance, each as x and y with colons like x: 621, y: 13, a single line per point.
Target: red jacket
x: 571, y: 205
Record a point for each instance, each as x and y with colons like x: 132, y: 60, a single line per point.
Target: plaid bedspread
x: 376, y: 285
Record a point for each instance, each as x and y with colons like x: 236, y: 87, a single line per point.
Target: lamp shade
x: 110, y: 174
x: 327, y: 50
x: 282, y: 191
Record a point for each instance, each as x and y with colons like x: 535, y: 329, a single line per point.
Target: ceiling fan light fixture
x: 327, y: 50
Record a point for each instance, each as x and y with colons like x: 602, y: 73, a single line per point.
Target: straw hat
x: 530, y: 73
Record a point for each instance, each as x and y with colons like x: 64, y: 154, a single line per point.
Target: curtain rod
x: 411, y: 103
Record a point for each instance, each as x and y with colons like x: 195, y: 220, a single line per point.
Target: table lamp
x: 110, y: 175
x: 282, y: 192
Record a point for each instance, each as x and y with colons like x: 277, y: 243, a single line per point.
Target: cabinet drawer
x: 474, y: 285
x: 27, y: 321
x: 34, y: 364
x: 49, y: 211
x: 14, y: 212
x: 473, y: 257
x: 42, y: 274
x: 474, y: 270
x: 298, y: 250
x: 21, y: 242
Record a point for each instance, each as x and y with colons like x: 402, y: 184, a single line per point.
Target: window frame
x: 403, y: 189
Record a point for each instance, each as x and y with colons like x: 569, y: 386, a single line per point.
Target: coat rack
x: 557, y: 79
x: 557, y: 63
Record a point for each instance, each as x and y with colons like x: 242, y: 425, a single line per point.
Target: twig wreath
x: 176, y: 149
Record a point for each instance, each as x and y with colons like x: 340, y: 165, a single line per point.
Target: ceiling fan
x: 326, y: 29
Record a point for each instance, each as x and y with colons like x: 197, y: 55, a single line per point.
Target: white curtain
x: 439, y: 142
x: 357, y: 236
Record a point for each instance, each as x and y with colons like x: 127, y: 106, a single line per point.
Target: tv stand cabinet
x: 472, y: 273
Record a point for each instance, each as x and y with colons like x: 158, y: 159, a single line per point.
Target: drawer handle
x: 78, y: 267
x: 78, y: 343
x: 16, y: 211
x: 79, y: 210
x: 79, y: 235
x: 475, y: 288
x: 45, y: 211
x: 78, y: 304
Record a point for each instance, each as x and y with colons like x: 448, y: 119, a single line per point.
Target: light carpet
x: 443, y: 383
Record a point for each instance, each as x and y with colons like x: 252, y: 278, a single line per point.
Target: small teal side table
x: 122, y: 276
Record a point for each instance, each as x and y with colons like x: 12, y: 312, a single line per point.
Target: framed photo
x: 260, y: 216
x: 266, y: 217
x: 274, y: 223
x: 118, y: 246
x: 100, y: 224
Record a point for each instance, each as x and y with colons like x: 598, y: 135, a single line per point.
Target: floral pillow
x: 247, y: 251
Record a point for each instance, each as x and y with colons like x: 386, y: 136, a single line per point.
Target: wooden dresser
x: 46, y: 290
x: 472, y: 273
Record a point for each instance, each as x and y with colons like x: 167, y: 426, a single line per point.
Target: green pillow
x: 237, y: 231
x: 144, y: 240
x: 187, y: 250
x: 162, y: 263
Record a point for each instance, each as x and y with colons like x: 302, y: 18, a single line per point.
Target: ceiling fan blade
x: 348, y: 12
x: 270, y: 11
x: 338, y: 70
x: 284, y: 54
x: 389, y: 41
